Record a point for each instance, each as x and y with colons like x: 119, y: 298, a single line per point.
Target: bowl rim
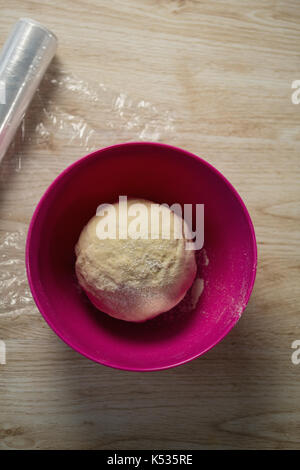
x: 38, y: 208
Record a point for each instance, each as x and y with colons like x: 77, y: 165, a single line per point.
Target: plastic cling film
x: 68, y: 118
x: 79, y: 116
x: 23, y: 61
x: 14, y: 290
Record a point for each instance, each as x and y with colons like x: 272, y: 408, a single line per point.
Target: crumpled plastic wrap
x: 14, y: 289
x: 69, y: 117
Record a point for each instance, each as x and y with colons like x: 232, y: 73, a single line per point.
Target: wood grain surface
x: 213, y: 77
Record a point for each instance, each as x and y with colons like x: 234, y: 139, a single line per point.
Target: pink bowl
x: 160, y: 173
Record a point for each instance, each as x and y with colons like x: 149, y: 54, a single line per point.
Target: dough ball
x: 134, y: 279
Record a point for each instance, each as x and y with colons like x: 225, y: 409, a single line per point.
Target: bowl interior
x: 162, y: 174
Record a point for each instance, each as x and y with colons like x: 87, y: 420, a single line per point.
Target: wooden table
x: 213, y: 77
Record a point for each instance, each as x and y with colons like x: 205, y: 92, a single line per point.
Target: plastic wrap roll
x: 23, y: 61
